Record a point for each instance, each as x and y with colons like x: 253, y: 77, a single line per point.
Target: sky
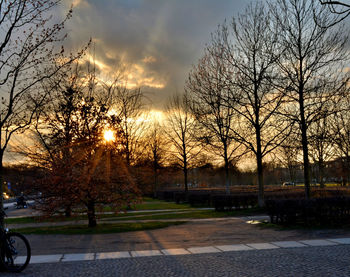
x: 157, y: 41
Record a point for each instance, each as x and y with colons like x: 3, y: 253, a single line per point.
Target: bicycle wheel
x: 15, y: 252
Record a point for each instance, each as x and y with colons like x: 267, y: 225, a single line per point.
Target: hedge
x: 319, y: 211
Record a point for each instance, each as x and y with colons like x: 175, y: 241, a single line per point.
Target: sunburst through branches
x: 108, y: 136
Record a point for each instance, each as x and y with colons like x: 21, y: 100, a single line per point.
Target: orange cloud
x: 149, y: 59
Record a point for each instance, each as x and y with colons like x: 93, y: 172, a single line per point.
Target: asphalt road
x: 12, y: 211
x: 308, y: 261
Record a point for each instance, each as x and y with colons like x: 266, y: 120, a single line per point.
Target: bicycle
x: 15, y: 250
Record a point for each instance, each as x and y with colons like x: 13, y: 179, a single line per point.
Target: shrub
x: 317, y: 211
x: 199, y: 199
x: 237, y: 201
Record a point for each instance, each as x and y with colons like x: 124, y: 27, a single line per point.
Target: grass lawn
x: 191, y: 214
x: 155, y: 215
x: 34, y: 219
x: 177, y: 211
x: 153, y: 204
x: 100, y: 229
x: 21, y: 220
x: 148, y: 204
x: 160, y: 205
x: 156, y: 204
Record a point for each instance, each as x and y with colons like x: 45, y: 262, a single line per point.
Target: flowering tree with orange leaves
x: 82, y: 166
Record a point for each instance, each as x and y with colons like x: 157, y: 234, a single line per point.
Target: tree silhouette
x: 81, y: 168
x: 311, y: 61
x: 338, y: 7
x: 156, y: 150
x: 208, y: 89
x: 29, y: 54
x: 181, y: 129
x: 248, y: 52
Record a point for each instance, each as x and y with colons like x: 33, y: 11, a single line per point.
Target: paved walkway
x: 211, y: 247
x: 197, y: 233
x: 307, y: 261
x: 201, y: 247
x: 73, y: 257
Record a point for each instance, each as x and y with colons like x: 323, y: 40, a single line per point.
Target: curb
x: 61, y: 258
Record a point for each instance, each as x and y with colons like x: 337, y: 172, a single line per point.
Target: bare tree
x: 339, y: 3
x: 340, y: 126
x: 321, y: 146
x: 288, y: 154
x: 128, y: 106
x: 181, y: 129
x: 28, y: 56
x: 311, y: 63
x: 338, y: 7
x: 209, y: 93
x: 250, y: 54
x: 156, y: 149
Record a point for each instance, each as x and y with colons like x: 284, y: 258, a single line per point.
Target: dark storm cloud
x: 161, y: 38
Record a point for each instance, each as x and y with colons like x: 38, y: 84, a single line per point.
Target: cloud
x: 80, y: 3
x: 149, y: 59
x: 156, y: 40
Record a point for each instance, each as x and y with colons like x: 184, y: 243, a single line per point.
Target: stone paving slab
x: 188, y: 251
x: 45, y: 259
x: 288, y: 244
x: 203, y: 250
x: 178, y: 251
x: 78, y: 257
x: 234, y: 247
x: 21, y: 259
x: 318, y: 242
x: 341, y: 240
x: 262, y: 246
x: 113, y: 255
x: 145, y: 253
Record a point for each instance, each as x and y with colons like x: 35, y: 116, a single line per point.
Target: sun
x: 108, y: 136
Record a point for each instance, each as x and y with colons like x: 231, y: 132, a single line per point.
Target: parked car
x: 287, y: 184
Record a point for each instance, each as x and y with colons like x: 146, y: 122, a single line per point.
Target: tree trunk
x: 304, y: 142
x: 91, y: 214
x: 155, y: 172
x: 227, y: 176
x: 343, y: 182
x: 128, y: 162
x: 186, y: 179
x: 261, y: 200
x: 260, y: 170
x: 68, y: 211
x: 185, y: 169
x: 347, y: 170
x: 1, y: 187
x: 320, y: 173
x: 291, y: 170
